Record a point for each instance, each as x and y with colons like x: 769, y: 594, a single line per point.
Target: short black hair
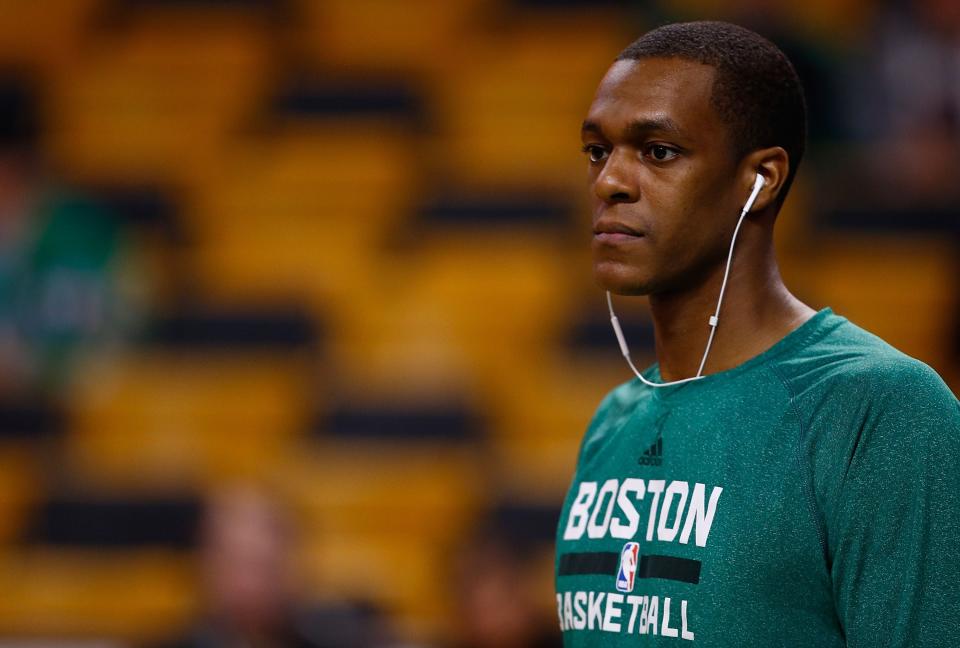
x: 756, y: 91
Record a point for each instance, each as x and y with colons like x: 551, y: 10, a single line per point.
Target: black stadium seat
x: 305, y: 95
x: 121, y: 5
x: 593, y: 334
x: 29, y: 419
x: 500, y: 209
x: 440, y: 422
x: 934, y: 220
x: 118, y: 522
x: 527, y: 524
x: 280, y: 328
x: 149, y: 208
x: 580, y: 5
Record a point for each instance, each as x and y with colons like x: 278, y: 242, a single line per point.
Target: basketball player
x: 783, y: 477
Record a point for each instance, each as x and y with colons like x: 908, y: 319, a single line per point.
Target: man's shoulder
x: 851, y: 381
x: 619, y: 402
x: 849, y: 362
x: 624, y: 395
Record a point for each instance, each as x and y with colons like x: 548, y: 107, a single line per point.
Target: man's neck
x: 758, y: 311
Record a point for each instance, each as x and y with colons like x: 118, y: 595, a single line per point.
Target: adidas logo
x: 653, y: 456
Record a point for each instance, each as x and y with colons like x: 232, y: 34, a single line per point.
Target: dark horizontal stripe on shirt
x: 595, y: 562
x: 653, y: 566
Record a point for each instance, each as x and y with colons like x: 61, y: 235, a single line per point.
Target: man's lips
x: 608, y: 231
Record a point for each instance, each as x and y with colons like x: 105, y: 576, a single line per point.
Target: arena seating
x: 364, y: 231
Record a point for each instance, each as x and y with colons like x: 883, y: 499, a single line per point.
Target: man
x: 805, y: 490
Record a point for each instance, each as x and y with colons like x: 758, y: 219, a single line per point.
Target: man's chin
x: 621, y: 280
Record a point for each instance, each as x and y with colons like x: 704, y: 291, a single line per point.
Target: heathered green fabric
x: 838, y: 518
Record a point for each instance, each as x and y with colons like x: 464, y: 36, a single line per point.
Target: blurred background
x: 298, y: 335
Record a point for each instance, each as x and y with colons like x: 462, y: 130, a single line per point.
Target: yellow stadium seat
x: 411, y: 36
x: 20, y: 487
x: 156, y: 101
x: 482, y: 300
x: 542, y: 410
x: 513, y: 106
x: 155, y: 420
x: 303, y: 212
x: 380, y: 520
x: 137, y: 596
x: 831, y: 20
x: 43, y: 35
x: 900, y: 288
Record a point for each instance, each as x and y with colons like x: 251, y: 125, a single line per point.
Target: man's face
x: 662, y: 177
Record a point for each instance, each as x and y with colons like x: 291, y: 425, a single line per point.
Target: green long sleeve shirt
x: 808, y: 497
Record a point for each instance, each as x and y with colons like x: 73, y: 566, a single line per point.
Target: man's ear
x: 774, y: 165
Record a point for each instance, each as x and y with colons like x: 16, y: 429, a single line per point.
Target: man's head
x: 680, y: 126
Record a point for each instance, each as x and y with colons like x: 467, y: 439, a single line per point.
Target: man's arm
x: 894, y: 531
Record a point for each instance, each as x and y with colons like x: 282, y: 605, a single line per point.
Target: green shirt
x: 808, y: 497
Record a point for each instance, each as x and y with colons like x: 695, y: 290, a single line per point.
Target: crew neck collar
x: 818, y: 324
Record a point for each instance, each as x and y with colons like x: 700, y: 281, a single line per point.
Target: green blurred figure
x: 59, y: 258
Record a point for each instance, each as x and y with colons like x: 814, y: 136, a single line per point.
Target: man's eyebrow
x: 638, y: 128
x: 591, y: 127
x: 641, y: 127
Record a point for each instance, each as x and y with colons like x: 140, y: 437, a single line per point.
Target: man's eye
x: 662, y: 153
x: 595, y: 153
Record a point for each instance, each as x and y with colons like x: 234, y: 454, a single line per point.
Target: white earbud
x: 714, y: 319
x: 757, y: 186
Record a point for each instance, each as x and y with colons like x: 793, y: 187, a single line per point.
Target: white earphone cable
x: 714, y: 319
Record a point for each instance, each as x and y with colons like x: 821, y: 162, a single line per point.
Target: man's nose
x: 616, y: 183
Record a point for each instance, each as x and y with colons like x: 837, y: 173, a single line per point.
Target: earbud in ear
x: 757, y: 186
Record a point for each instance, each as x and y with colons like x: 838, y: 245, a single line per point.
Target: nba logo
x: 627, y: 572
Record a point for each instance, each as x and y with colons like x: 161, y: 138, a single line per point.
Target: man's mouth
x: 608, y: 231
